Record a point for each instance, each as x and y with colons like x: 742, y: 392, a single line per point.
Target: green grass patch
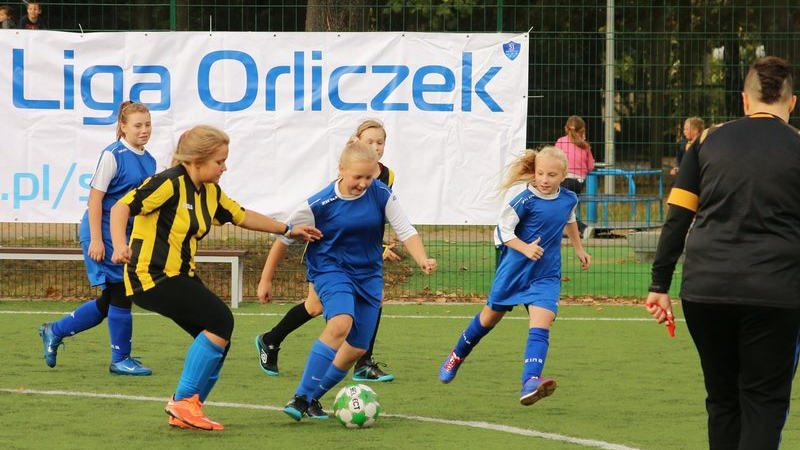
x: 621, y: 381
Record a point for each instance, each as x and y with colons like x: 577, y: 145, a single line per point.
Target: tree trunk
x: 332, y: 15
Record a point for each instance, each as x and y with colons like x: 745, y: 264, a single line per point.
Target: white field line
x: 463, y: 423
x: 385, y: 316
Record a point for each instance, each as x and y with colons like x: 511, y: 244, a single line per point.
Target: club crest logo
x: 511, y: 49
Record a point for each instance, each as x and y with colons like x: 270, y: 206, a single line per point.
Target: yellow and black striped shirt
x: 170, y: 216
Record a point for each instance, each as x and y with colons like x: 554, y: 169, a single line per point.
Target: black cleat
x: 296, y: 408
x: 371, y: 372
x: 315, y: 410
x: 267, y: 356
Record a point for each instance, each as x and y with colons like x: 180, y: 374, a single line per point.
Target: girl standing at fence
x: 268, y: 344
x: 346, y: 267
x: 580, y: 160
x: 172, y: 211
x: 529, y: 229
x: 123, y: 165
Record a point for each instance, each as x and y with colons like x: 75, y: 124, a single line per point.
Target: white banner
x: 454, y: 107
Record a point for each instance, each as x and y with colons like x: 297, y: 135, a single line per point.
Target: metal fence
x: 634, y: 70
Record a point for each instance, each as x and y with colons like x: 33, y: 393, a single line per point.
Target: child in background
x: 6, y: 21
x: 33, y: 19
x: 123, y: 165
x: 529, y: 230
x: 580, y: 160
x: 268, y: 344
x: 346, y: 267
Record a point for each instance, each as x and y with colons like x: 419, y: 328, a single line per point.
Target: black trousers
x: 749, y: 357
x: 573, y: 185
x: 189, y: 303
x: 576, y: 187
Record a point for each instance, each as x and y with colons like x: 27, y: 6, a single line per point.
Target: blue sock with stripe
x: 471, y: 336
x: 84, y: 317
x: 120, y: 330
x: 332, y: 377
x: 202, y: 360
x: 535, y: 353
x: 320, y: 359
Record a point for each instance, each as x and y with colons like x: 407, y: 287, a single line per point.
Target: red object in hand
x: 670, y: 323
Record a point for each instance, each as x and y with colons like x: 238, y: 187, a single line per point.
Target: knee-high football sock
x: 332, y: 377
x: 471, y: 336
x: 320, y: 358
x: 120, y: 330
x: 535, y: 353
x: 292, y: 320
x: 212, y: 379
x: 84, y: 317
x: 201, y: 361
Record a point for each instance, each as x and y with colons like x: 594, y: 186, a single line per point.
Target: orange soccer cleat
x: 189, y: 412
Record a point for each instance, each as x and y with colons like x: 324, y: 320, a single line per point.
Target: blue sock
x: 120, y: 330
x: 86, y: 316
x: 535, y: 353
x: 332, y: 377
x: 471, y: 336
x: 212, y: 379
x: 320, y: 358
x: 201, y: 361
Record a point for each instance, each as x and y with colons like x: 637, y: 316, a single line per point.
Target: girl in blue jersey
x: 529, y: 231
x: 347, y: 268
x: 268, y: 344
x: 123, y: 165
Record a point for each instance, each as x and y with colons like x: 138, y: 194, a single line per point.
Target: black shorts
x: 189, y: 303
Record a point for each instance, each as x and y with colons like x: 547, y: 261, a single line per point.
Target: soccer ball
x: 356, y: 406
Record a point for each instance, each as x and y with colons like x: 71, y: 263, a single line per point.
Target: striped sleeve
x: 228, y: 211
x: 150, y: 196
x: 686, y: 192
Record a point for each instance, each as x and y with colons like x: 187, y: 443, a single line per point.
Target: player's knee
x: 313, y: 304
x: 314, y: 309
x: 338, y: 327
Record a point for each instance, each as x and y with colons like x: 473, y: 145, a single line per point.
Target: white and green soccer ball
x: 356, y: 406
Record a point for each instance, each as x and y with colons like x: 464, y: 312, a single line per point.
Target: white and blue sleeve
x: 300, y: 216
x: 506, y: 224
x: 398, y: 219
x: 105, y: 172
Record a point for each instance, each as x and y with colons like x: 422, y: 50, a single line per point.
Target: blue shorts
x: 541, y: 303
x: 102, y: 272
x: 340, y: 295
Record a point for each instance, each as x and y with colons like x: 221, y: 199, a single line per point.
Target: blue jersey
x: 530, y: 215
x: 131, y: 169
x: 352, y: 242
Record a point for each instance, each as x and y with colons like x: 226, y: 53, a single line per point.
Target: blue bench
x: 592, y: 199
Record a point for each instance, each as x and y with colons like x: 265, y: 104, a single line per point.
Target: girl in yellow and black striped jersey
x: 172, y: 211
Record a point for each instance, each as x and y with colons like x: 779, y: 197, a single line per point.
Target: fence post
x: 172, y: 15
x: 499, y: 16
